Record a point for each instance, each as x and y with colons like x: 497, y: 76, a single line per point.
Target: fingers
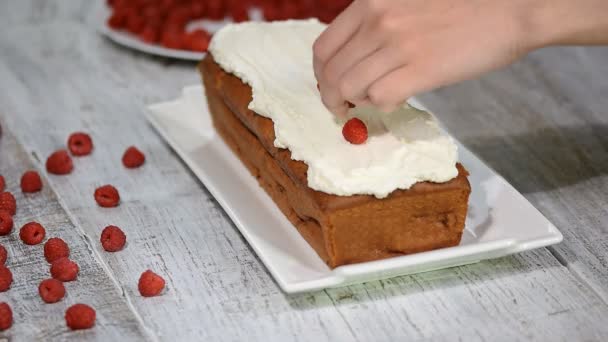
x: 393, y: 89
x: 341, y: 30
x: 355, y: 83
x: 360, y: 46
x: 336, y: 35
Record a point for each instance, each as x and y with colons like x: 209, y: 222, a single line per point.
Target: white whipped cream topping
x: 275, y: 59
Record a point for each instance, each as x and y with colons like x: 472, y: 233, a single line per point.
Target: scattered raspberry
x: 80, y: 144
x: 133, y: 158
x: 6, y: 316
x: 32, y: 233
x: 31, y: 182
x: 113, y: 239
x: 59, y: 163
x: 51, y: 290
x: 56, y: 248
x: 107, y: 196
x: 64, y: 269
x: 6, y: 278
x: 80, y: 316
x: 2, y: 183
x: 150, y: 284
x: 6, y: 222
x: 355, y: 131
x: 8, y: 203
x: 3, y: 255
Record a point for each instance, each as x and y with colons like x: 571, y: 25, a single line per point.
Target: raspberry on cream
x: 403, y: 148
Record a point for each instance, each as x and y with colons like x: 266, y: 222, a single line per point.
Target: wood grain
x: 61, y: 76
x: 543, y: 125
x: 35, y: 320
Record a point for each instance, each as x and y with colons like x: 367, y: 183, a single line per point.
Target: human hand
x: 384, y: 51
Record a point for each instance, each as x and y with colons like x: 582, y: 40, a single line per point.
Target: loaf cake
x: 350, y: 222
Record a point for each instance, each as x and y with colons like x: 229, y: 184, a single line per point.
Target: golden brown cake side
x: 342, y: 229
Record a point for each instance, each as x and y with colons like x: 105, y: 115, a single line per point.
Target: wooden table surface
x: 542, y: 124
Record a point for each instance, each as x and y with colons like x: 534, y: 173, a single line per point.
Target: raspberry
x: 51, y: 290
x: 150, y: 284
x: 80, y: 144
x: 59, y: 163
x: 3, y: 255
x: 239, y: 12
x: 117, y: 21
x: 80, y: 316
x: 31, y: 182
x: 2, y: 183
x: 113, y: 239
x: 150, y: 34
x: 56, y: 248
x: 6, y: 316
x: 107, y: 196
x: 135, y: 22
x: 355, y: 131
x: 32, y: 233
x: 171, y: 37
x: 8, y: 203
x: 133, y: 158
x: 6, y: 222
x: 64, y: 269
x: 197, y: 40
x: 6, y: 278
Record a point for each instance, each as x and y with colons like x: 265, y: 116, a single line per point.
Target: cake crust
x: 341, y: 229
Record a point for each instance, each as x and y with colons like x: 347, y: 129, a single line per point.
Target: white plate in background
x: 124, y: 38
x: 500, y: 220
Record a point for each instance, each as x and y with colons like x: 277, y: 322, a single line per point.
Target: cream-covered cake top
x: 275, y: 60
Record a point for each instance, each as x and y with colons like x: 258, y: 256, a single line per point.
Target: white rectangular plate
x: 500, y: 220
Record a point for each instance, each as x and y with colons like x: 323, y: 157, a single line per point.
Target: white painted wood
x: 543, y: 125
x: 33, y: 319
x: 57, y: 76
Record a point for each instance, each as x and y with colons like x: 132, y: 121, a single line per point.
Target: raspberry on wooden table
x: 8, y: 203
x: 107, y: 196
x: 6, y: 222
x: 59, y: 163
x: 6, y: 278
x: 3, y: 255
x: 150, y: 284
x: 55, y: 248
x: 64, y: 269
x: 32, y: 233
x: 31, y: 182
x: 80, y: 144
x: 51, y: 290
x: 113, y: 239
x: 355, y: 131
x: 80, y: 316
x: 6, y: 316
x: 2, y: 183
x: 133, y: 158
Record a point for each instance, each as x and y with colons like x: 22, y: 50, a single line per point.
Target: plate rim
x: 348, y: 274
x: 128, y: 40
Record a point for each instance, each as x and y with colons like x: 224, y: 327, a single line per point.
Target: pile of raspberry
x: 165, y: 22
x: 56, y: 251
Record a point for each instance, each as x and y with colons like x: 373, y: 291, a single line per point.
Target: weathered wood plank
x: 543, y: 125
x: 33, y: 319
x: 66, y: 78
